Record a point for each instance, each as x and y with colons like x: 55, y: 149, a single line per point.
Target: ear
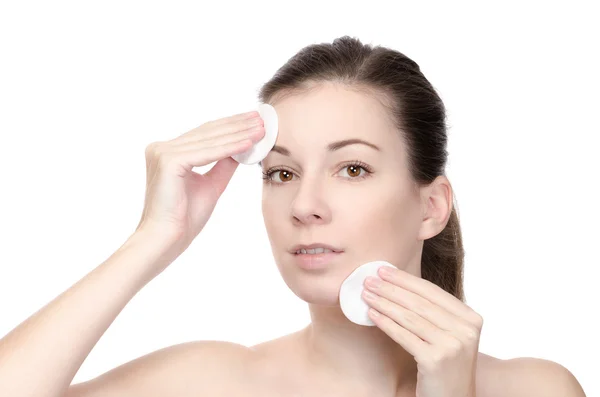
x: 436, y: 207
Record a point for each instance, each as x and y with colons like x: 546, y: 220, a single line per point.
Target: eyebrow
x: 333, y: 146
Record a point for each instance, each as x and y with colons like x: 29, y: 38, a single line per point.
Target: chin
x: 320, y: 297
x: 319, y: 288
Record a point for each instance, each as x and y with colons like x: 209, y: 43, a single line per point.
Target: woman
x: 358, y: 167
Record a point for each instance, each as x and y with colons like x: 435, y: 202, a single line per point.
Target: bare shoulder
x: 187, y: 369
x: 528, y: 376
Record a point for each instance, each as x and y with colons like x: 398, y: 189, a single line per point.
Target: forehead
x: 328, y: 113
x: 331, y: 106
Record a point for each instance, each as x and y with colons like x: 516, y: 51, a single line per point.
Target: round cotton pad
x: 351, y: 301
x: 260, y: 149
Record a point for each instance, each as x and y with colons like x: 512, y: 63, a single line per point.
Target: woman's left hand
x: 438, y: 329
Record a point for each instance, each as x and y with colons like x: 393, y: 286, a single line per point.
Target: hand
x: 180, y: 201
x: 439, y: 330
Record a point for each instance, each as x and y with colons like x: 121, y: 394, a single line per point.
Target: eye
x: 353, y: 168
x: 285, y: 174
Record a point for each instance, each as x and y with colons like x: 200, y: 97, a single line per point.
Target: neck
x: 339, y: 349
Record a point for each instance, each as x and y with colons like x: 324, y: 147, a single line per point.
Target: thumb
x: 220, y: 174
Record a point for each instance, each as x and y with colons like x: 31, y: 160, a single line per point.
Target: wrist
x: 157, y: 234
x: 154, y: 249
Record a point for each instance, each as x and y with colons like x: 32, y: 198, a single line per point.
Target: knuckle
x: 471, y: 334
x: 478, y: 320
x: 435, y: 360
x: 153, y: 149
x: 475, y: 318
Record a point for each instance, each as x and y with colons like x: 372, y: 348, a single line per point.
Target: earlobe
x: 427, y: 229
x: 429, y: 225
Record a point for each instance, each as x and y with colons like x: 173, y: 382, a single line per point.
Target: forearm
x: 42, y: 355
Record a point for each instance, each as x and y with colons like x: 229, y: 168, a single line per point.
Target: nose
x: 309, y: 206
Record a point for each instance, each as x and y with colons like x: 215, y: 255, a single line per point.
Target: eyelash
x: 271, y: 171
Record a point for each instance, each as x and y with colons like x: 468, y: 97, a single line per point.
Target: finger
x: 429, y: 291
x: 408, y: 320
x: 409, y: 341
x: 254, y: 133
x: 233, y: 118
x: 208, y: 130
x: 435, y: 314
x: 189, y: 159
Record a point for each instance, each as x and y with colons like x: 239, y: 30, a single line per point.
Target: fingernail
x: 373, y: 281
x: 385, y: 271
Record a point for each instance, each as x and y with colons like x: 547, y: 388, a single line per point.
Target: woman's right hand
x: 179, y: 201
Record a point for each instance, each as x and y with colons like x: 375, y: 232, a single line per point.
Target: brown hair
x: 416, y: 110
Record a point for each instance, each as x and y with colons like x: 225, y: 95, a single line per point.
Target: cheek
x: 385, y: 223
x: 275, y: 214
x: 269, y: 213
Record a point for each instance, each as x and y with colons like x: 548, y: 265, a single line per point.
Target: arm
x: 41, y: 356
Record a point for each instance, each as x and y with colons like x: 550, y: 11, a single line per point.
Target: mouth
x: 317, y: 252
x: 315, y: 249
x: 315, y: 261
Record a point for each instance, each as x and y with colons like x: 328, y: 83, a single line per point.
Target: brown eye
x: 286, y: 176
x: 284, y: 172
x: 355, y: 170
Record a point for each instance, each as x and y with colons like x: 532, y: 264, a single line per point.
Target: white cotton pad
x: 351, y: 301
x: 261, y: 149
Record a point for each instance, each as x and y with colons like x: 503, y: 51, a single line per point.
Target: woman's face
x: 320, y: 197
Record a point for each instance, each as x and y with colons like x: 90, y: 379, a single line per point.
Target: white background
x: 85, y: 87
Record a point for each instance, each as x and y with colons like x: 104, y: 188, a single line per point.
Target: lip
x: 314, y: 245
x: 315, y: 261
